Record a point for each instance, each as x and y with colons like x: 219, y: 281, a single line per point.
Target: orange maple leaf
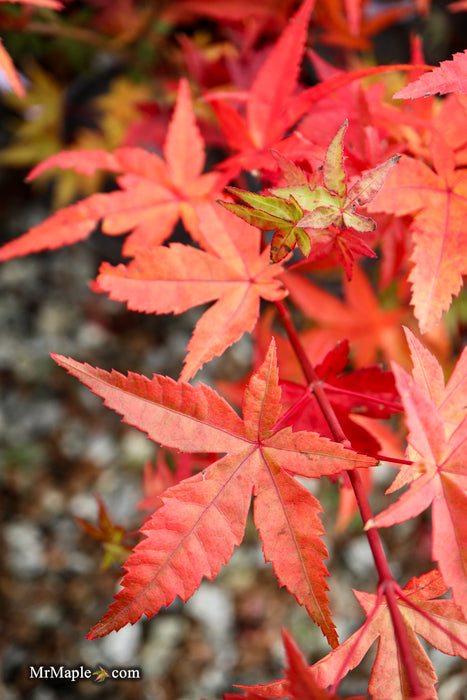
x: 437, y: 199
x: 437, y: 421
x: 176, y: 278
x: 359, y: 319
x: 154, y: 192
x: 439, y: 622
x: 204, y: 517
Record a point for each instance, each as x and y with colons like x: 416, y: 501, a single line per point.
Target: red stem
x: 385, y: 458
x: 366, y: 397
x: 386, y: 580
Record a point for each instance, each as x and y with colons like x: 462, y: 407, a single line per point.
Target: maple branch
x: 339, y: 435
x: 387, y: 582
x: 311, y: 376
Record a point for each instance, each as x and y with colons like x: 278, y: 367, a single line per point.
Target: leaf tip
x: 98, y: 630
x: 369, y: 524
x: 59, y: 359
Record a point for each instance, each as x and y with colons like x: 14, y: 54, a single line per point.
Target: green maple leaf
x: 270, y: 212
x: 100, y: 675
x: 298, y: 211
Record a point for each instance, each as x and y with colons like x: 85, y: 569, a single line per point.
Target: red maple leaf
x: 369, y: 391
x: 204, y: 517
x: 437, y: 199
x: 439, y: 622
x: 449, y: 76
x: 154, y: 193
x: 265, y: 121
x: 175, y: 278
x: 301, y: 681
x: 439, y: 475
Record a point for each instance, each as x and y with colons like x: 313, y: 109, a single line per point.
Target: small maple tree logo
x: 101, y: 675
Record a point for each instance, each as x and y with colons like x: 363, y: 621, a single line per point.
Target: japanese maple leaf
x: 437, y: 199
x: 368, y: 391
x: 358, y: 318
x: 111, y: 535
x: 301, y: 682
x: 449, y: 76
x: 204, y: 517
x: 349, y: 24
x: 268, y: 212
x: 101, y: 675
x: 428, y: 375
x: 154, y: 193
x: 175, y: 278
x: 449, y: 399
x: 439, y: 475
x: 439, y: 622
x: 265, y: 122
x: 296, y: 211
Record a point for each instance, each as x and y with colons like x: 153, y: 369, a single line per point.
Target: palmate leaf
x: 439, y: 475
x: 366, y: 392
x: 201, y: 520
x: 265, y: 122
x: 428, y: 375
x: 300, y: 677
x: 111, y: 535
x: 269, y: 212
x: 295, y: 212
x: 176, y: 278
x: 439, y: 622
x: 154, y: 192
x: 437, y: 200
x: 449, y: 76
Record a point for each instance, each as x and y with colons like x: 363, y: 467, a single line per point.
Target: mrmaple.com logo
x: 82, y: 673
